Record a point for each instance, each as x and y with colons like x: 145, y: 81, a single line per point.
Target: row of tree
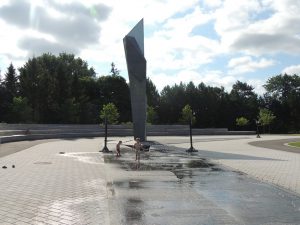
x: 215, y: 107
x: 64, y: 89
x: 60, y: 89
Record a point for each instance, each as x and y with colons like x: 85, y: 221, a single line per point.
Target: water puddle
x: 131, y: 184
x: 228, y: 193
x: 133, y: 211
x: 86, y: 157
x: 184, y: 169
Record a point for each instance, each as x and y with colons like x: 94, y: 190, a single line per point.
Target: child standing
x: 118, y: 148
x: 137, y: 146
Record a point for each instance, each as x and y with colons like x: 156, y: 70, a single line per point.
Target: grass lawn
x: 295, y: 144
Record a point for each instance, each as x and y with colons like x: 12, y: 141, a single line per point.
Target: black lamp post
x: 191, y: 149
x: 105, y: 149
x: 257, y: 128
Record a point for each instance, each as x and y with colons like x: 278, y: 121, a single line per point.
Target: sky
x: 213, y: 41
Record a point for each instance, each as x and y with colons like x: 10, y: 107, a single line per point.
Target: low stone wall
x: 20, y: 132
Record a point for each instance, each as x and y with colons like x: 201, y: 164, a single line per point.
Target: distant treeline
x: 64, y: 89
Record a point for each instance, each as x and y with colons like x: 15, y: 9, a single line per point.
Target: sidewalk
x: 274, y: 166
x: 46, y: 187
x: 70, y: 182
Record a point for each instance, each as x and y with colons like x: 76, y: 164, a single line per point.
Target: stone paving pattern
x: 280, y: 168
x: 47, y: 187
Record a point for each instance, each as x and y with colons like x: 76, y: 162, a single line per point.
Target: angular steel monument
x: 136, y: 65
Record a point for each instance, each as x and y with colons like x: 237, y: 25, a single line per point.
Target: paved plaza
x: 280, y: 168
x: 229, y: 181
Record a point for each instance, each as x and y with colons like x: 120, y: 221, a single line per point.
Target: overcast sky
x: 212, y: 41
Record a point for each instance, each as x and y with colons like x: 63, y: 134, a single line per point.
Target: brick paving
x: 277, y: 167
x: 46, y: 187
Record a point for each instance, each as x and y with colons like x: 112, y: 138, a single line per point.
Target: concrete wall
x: 20, y: 132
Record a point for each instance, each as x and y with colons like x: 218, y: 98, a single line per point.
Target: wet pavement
x: 171, y: 187
x: 70, y: 182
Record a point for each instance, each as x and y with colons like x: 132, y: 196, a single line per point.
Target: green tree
x: 4, y: 104
x: 243, y: 101
x: 115, y: 89
x: 60, y: 89
x: 114, y: 70
x: 172, y: 100
x: 212, y: 106
x: 32, y: 81
x: 266, y: 117
x: 151, y: 115
x: 188, y: 114
x: 11, y: 81
x: 21, y: 111
x: 241, y: 121
x: 8, y: 90
x: 110, y: 112
x: 153, y: 97
x: 282, y: 98
x: 282, y: 86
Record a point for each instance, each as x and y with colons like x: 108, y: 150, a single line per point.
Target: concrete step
x: 19, y: 132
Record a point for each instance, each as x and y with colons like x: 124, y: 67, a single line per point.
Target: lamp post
x: 105, y: 149
x: 257, y: 128
x: 191, y: 149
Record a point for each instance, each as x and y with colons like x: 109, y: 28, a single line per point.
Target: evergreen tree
x: 21, y: 111
x: 115, y: 89
x: 114, y: 71
x: 11, y: 82
x: 243, y: 101
x: 151, y: 115
x: 153, y: 97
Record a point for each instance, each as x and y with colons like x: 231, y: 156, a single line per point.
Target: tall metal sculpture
x: 136, y: 65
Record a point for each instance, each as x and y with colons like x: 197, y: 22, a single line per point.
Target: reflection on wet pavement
x: 86, y: 157
x: 169, y: 186
x: 133, y: 210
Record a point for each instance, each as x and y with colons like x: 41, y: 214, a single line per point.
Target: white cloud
x: 248, y: 64
x: 257, y: 84
x: 155, y: 11
x: 212, y: 78
x: 291, y: 6
x: 259, y: 27
x: 165, y: 48
x: 234, y: 16
x: 65, y: 27
x: 212, y: 3
x: 175, y: 47
x: 172, y: 47
x: 250, y: 32
x: 186, y: 23
x: 291, y: 70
